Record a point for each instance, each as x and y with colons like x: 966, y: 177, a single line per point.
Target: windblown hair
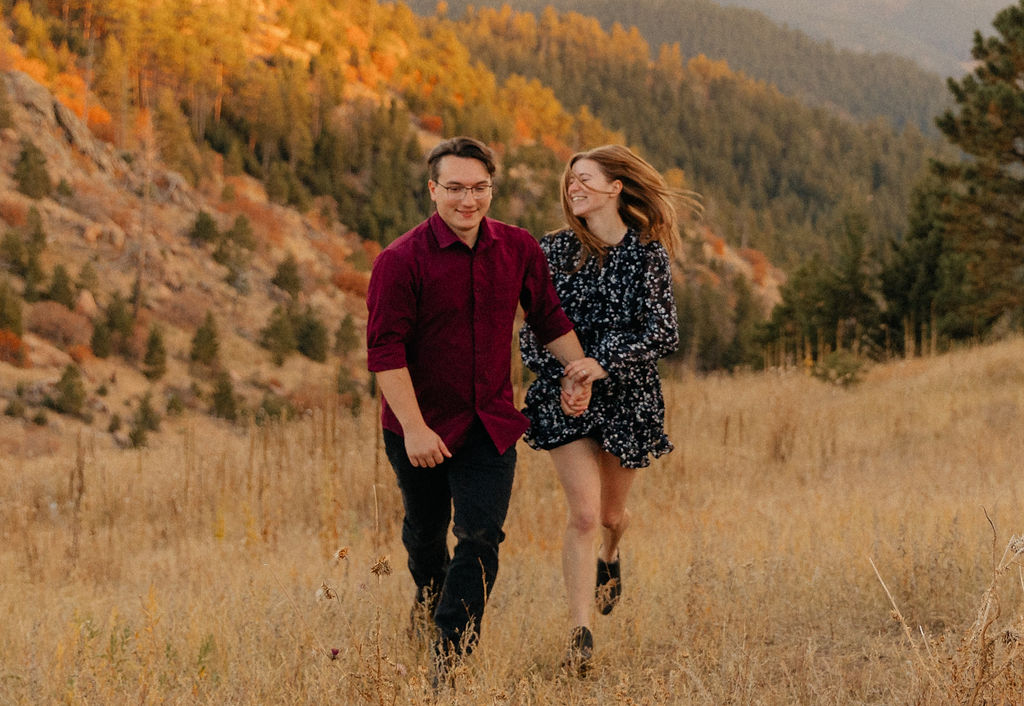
x: 646, y: 203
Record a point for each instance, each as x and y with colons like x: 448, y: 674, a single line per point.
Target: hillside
x: 852, y: 83
x: 128, y: 218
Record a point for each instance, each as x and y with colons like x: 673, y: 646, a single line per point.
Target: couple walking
x: 599, y: 313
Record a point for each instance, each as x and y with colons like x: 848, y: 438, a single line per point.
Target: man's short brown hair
x: 467, y: 147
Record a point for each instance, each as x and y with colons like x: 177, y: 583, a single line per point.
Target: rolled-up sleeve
x: 391, y: 302
x: 541, y: 306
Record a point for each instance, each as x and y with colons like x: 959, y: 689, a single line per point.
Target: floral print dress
x: 625, y: 318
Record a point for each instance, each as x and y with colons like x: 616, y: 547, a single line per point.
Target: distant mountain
x: 862, y: 86
x: 937, y: 34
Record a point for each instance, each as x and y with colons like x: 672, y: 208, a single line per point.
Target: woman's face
x: 589, y: 190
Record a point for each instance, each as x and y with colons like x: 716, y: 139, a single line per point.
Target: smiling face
x: 461, y: 211
x: 589, y: 191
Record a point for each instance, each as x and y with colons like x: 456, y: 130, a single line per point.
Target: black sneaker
x: 609, y: 585
x: 578, y: 659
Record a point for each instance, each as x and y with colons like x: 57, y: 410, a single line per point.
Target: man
x: 442, y: 303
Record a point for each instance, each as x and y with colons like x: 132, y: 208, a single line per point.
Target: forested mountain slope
x: 778, y: 176
x: 864, y: 86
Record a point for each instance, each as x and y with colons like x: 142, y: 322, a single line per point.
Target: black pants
x: 476, y: 483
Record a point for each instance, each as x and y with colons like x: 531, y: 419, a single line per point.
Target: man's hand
x: 575, y: 398
x: 585, y: 371
x: 425, y: 448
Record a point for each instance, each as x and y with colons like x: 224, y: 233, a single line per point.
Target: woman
x: 611, y: 269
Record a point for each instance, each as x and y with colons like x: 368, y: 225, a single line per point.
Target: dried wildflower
x: 382, y: 567
x: 341, y: 554
x: 326, y: 593
x: 335, y: 652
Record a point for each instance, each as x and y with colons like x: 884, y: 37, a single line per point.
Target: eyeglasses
x: 458, y: 191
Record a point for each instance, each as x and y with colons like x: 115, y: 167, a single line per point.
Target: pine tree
x: 278, y: 336
x: 100, y: 342
x: 10, y: 309
x: 61, y: 290
x: 70, y: 391
x: 154, y: 361
x: 205, y: 343
x: 204, y: 229
x: 88, y: 280
x: 311, y: 336
x: 30, y: 172
x: 346, y: 339
x: 225, y: 405
x: 984, y: 216
x: 287, y: 276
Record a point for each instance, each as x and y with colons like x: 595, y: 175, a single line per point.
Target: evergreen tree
x: 61, y: 290
x: 30, y: 172
x: 33, y: 277
x: 205, y: 343
x: 100, y: 342
x: 311, y: 336
x: 984, y: 215
x: 12, y: 252
x: 70, y: 391
x: 145, y: 420
x: 154, y: 361
x: 204, y: 229
x: 88, y: 280
x: 287, y: 276
x: 346, y: 339
x: 225, y: 405
x: 10, y: 309
x: 278, y: 336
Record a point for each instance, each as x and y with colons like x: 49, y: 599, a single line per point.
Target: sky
x: 938, y: 34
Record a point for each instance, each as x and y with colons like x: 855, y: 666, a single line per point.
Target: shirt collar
x: 445, y: 237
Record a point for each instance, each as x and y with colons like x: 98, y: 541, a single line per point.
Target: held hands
x: 425, y: 448
x: 585, y: 371
x: 575, y: 398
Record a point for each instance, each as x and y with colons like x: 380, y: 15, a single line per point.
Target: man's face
x: 462, y: 194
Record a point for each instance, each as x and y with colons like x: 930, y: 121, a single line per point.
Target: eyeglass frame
x: 479, y: 191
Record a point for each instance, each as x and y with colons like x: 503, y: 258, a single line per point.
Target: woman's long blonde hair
x: 646, y: 203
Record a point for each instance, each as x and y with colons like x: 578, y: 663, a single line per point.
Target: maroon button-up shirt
x: 447, y: 311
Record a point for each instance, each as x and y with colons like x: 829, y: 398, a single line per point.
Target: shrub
x: 841, y: 368
x: 12, y: 348
x: 58, y: 324
x: 30, y: 172
x: 15, y: 408
x: 55, y: 323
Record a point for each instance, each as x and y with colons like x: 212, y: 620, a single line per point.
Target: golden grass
x: 204, y: 569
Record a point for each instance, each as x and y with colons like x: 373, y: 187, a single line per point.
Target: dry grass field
x: 804, y: 544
